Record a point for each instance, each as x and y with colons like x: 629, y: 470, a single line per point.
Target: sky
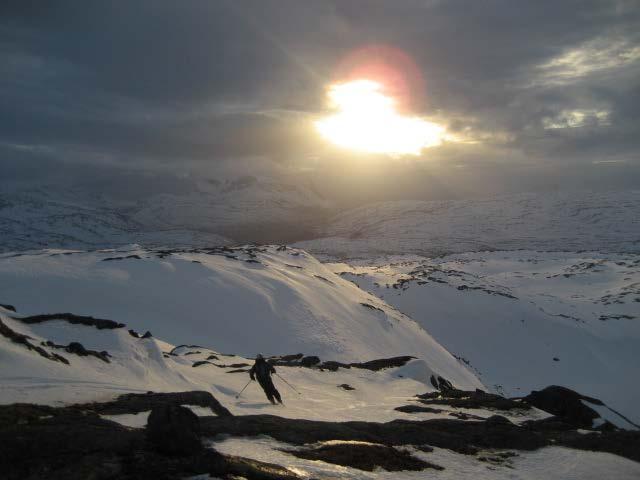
x: 534, y: 94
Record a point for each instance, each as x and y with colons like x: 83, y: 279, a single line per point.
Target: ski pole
x: 240, y: 392
x: 294, y: 388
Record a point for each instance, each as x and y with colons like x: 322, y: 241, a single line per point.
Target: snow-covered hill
x: 273, y: 300
x: 525, y: 319
x: 572, y: 221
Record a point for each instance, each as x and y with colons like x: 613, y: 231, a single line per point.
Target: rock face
x: 174, y: 430
x: 566, y: 404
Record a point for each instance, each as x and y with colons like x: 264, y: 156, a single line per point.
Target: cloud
x: 164, y: 84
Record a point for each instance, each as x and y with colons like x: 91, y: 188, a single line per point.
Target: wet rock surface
x: 364, y: 457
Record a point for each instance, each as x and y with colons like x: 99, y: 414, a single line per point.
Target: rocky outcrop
x: 471, y: 399
x: 22, y: 339
x: 74, y: 444
x: 78, y: 349
x: 142, y: 402
x: 98, y: 323
x: 174, y: 430
x: 565, y: 404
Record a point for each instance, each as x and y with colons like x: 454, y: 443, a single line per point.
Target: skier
x: 263, y: 371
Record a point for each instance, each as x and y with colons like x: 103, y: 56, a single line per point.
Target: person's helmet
x: 259, y: 356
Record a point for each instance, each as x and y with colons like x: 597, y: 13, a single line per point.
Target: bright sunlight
x: 367, y: 121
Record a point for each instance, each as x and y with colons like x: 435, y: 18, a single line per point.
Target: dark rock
x: 471, y: 399
x: 383, y: 363
x: 22, y: 339
x: 212, y: 357
x: 133, y: 333
x: 147, y: 334
x: 417, y: 409
x: 441, y: 383
x: 556, y: 359
x: 346, y: 386
x: 566, y: 404
x: 332, y: 366
x: 78, y: 349
x: 309, y: 361
x: 202, y: 362
x: 364, y: 457
x: 173, y: 350
x: 371, y: 307
x: 142, y: 402
x: 174, y: 430
x: 457, y: 435
x: 11, y: 308
x: 99, y: 323
x: 71, y: 444
x: 498, y: 420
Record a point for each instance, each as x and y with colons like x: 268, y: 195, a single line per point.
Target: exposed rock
x: 441, y: 383
x: 22, y: 339
x: 11, y: 308
x: 309, y: 361
x: 471, y: 399
x: 174, y: 430
x: 364, y: 457
x: 78, y: 349
x: 566, y: 404
x: 417, y: 409
x: 457, y: 435
x: 346, y: 386
x: 371, y: 307
x: 72, y: 444
x: 383, y: 363
x: 99, y: 323
x: 202, y: 362
x: 147, y: 334
x: 142, y: 402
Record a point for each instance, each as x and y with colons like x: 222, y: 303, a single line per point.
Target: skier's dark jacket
x: 262, y: 370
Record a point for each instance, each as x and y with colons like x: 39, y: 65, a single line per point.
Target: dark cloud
x: 159, y: 81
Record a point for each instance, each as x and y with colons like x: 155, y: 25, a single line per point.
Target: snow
x: 524, y: 320
x: 287, y: 303
x: 606, y: 414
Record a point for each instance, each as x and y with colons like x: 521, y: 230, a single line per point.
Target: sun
x: 367, y: 121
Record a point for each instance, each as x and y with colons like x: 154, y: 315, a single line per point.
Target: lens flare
x: 367, y: 121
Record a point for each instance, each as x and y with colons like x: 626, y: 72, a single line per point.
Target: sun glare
x: 367, y: 121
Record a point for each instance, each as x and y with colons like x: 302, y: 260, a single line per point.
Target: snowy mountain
x: 194, y: 212
x: 572, y: 221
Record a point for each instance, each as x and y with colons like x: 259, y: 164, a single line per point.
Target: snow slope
x: 142, y: 364
x: 524, y: 320
x: 244, y: 300
x: 607, y: 222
